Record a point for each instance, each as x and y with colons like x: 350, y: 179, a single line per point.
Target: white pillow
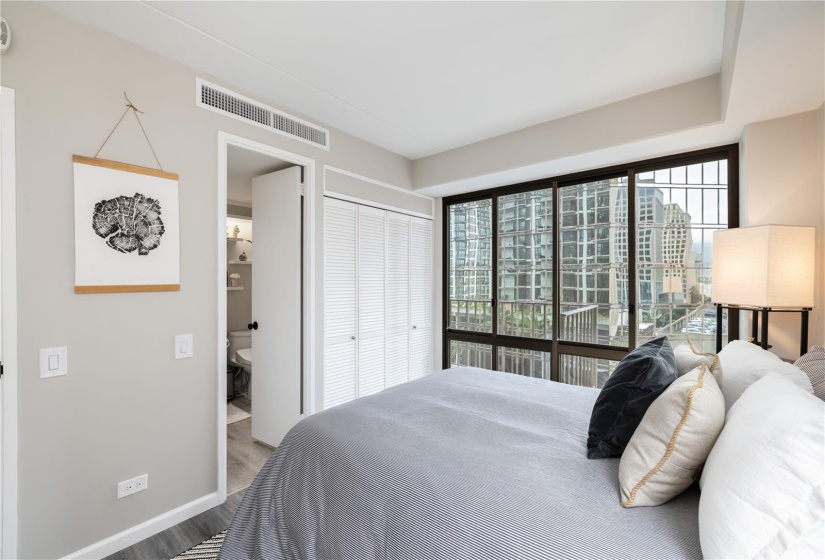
x: 763, y: 487
x: 688, y: 358
x: 667, y: 450
x: 744, y: 363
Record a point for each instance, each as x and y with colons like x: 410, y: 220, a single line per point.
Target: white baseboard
x: 127, y: 538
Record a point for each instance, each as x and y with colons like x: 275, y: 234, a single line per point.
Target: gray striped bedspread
x: 464, y: 463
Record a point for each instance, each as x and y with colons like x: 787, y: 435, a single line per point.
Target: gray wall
x: 781, y: 182
x: 126, y: 407
x: 821, y: 148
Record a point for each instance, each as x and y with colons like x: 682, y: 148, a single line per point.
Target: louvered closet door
x: 372, y: 238
x: 340, y: 301
x: 421, y: 238
x: 398, y: 299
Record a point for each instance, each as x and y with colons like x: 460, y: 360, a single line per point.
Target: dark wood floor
x: 244, y: 458
x: 183, y: 536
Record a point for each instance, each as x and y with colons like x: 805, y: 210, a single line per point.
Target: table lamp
x: 764, y: 269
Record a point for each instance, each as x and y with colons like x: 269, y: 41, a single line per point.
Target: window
x: 594, y: 262
x: 470, y: 268
x: 560, y: 278
x: 522, y: 309
x: 679, y: 208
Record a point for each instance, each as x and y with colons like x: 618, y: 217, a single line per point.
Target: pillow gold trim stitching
x: 672, y: 443
x: 713, y: 365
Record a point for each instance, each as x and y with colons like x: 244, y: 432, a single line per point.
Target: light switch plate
x: 54, y: 362
x: 183, y: 346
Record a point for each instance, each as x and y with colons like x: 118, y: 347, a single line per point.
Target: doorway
x: 265, y: 302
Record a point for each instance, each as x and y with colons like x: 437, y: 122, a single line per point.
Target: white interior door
x: 8, y: 329
x: 398, y: 298
x: 340, y: 301
x: 421, y: 239
x: 276, y: 305
x: 372, y: 238
x: 2, y: 165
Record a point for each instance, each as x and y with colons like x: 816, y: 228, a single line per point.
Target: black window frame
x: 556, y: 347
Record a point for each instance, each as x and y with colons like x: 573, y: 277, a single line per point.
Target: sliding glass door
x: 560, y: 278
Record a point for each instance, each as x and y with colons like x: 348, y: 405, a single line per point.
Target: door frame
x: 308, y: 351
x: 8, y: 265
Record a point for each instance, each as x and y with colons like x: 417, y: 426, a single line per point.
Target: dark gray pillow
x: 636, y: 382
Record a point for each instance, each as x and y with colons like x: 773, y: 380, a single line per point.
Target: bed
x: 464, y: 463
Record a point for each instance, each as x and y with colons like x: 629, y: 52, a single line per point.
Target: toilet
x: 239, y: 353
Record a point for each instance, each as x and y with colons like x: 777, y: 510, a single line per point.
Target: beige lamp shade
x: 764, y: 266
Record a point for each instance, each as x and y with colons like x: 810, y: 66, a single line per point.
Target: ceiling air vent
x: 221, y: 100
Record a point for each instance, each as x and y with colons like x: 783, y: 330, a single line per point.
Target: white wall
x: 341, y: 183
x: 126, y: 407
x: 781, y: 182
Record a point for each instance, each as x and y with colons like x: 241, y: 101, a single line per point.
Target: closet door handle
x: 352, y: 337
x: 253, y: 326
x: 413, y: 326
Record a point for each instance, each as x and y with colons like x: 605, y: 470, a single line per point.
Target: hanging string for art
x: 130, y: 107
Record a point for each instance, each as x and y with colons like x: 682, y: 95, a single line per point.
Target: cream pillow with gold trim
x: 667, y: 450
x: 688, y: 358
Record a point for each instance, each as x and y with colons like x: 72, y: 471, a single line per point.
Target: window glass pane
x: 470, y: 354
x: 710, y: 173
x: 594, y: 262
x: 471, y: 266
x: 588, y: 372
x: 531, y: 363
x: 674, y: 252
x: 525, y: 264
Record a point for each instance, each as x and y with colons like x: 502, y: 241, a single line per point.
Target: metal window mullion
x: 446, y: 273
x: 555, y: 361
x: 595, y: 352
x: 632, y: 297
x: 494, y: 280
x: 467, y: 336
x: 733, y: 222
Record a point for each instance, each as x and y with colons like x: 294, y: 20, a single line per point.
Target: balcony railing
x: 579, y: 325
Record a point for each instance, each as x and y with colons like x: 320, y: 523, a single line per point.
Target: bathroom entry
x: 264, y: 308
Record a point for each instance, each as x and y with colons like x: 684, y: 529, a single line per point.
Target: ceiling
x: 241, y: 166
x: 420, y: 78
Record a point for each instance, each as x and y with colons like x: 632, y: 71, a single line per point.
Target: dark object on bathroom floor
x: 237, y: 382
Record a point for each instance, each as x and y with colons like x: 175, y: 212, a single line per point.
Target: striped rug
x: 207, y: 550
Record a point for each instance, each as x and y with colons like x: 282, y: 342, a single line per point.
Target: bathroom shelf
x: 235, y: 239
x: 240, y: 262
x: 236, y: 289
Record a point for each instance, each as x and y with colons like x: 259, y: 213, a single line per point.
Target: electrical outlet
x: 128, y: 487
